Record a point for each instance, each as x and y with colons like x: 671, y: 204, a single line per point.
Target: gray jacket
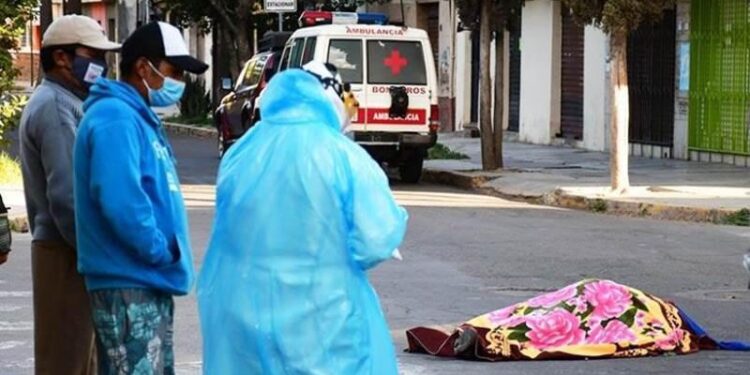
x: 47, y: 136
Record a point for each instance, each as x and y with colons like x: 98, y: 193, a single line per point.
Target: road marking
x: 15, y: 294
x: 16, y: 326
x: 5, y: 345
x: 10, y: 308
x: 410, y: 369
x: 27, y: 363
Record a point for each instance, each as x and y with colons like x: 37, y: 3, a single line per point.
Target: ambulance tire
x: 411, y: 168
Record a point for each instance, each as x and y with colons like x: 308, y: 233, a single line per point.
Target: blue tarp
x: 301, y: 213
x: 696, y: 328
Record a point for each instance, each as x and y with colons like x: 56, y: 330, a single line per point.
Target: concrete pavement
x: 467, y: 254
x: 574, y: 178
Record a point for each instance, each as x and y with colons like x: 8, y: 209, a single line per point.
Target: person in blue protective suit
x: 302, y: 213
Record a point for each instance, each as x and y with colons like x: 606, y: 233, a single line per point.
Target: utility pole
x: 45, y: 14
x: 72, y: 7
x: 45, y: 19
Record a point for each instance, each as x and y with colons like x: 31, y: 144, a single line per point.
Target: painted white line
x: 28, y: 363
x: 409, y: 369
x: 15, y: 294
x: 16, y: 326
x: 5, y: 345
x: 10, y: 308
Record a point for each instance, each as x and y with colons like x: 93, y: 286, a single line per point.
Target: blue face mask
x: 170, y: 92
x: 87, y: 70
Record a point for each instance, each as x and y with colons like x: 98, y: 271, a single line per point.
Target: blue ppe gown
x: 302, y: 212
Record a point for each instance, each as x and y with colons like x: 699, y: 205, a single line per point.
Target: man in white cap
x: 134, y: 250
x: 72, y: 57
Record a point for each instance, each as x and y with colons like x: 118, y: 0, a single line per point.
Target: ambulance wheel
x: 411, y: 168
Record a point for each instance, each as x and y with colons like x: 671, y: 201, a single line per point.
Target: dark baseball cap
x: 160, y: 40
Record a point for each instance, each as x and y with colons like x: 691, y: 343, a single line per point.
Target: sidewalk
x: 579, y: 179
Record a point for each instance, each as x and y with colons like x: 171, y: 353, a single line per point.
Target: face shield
x: 338, y: 93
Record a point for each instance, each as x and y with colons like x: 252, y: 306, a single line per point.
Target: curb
x: 657, y: 211
x: 189, y: 130
x: 559, y: 198
x: 455, y: 179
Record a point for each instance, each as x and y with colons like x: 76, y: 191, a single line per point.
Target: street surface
x: 466, y: 255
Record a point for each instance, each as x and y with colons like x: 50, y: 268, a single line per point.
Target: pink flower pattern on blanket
x: 590, y: 319
x: 610, y: 300
x: 615, y: 332
x: 671, y: 340
x: 505, y: 317
x: 558, y: 328
x: 553, y: 299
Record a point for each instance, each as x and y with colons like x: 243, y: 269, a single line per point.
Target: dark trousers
x: 64, y: 342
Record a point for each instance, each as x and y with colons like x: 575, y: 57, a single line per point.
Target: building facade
x: 689, y: 80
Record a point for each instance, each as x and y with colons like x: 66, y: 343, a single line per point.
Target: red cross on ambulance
x: 395, y: 62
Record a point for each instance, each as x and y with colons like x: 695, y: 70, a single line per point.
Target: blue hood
x: 106, y: 88
x: 294, y: 97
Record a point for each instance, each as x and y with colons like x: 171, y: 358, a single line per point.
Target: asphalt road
x: 466, y: 255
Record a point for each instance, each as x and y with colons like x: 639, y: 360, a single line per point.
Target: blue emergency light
x: 372, y: 18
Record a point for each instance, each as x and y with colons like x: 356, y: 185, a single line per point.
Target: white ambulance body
x: 374, y: 59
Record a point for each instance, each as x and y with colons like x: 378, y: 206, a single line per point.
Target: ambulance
x: 392, y: 74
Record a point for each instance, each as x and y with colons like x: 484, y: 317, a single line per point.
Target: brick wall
x: 22, y: 61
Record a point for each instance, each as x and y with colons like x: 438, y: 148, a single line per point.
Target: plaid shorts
x: 134, y: 331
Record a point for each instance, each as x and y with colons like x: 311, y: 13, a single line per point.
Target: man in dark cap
x: 133, y: 244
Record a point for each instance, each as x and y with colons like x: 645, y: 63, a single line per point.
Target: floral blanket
x: 589, y: 319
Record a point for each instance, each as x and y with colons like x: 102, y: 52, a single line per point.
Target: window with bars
x: 720, y: 76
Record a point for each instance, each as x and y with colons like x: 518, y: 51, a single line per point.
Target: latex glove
x: 397, y: 255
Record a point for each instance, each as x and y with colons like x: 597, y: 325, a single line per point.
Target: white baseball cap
x: 75, y: 29
x: 161, y: 40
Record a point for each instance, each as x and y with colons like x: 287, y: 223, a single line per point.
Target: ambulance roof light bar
x: 313, y: 18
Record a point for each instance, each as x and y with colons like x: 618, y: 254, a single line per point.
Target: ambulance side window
x: 285, y: 58
x: 296, y: 54
x: 346, y: 55
x: 309, y: 51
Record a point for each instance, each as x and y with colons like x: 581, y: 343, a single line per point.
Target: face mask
x: 170, y: 92
x: 87, y: 70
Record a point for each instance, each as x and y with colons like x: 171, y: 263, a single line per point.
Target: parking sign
x: 280, y: 6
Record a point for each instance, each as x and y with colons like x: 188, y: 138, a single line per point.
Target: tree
x: 491, y: 18
x: 14, y: 15
x: 236, y: 20
x: 618, y: 18
x: 233, y: 20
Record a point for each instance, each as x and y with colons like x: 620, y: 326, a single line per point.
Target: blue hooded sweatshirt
x: 131, y: 223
